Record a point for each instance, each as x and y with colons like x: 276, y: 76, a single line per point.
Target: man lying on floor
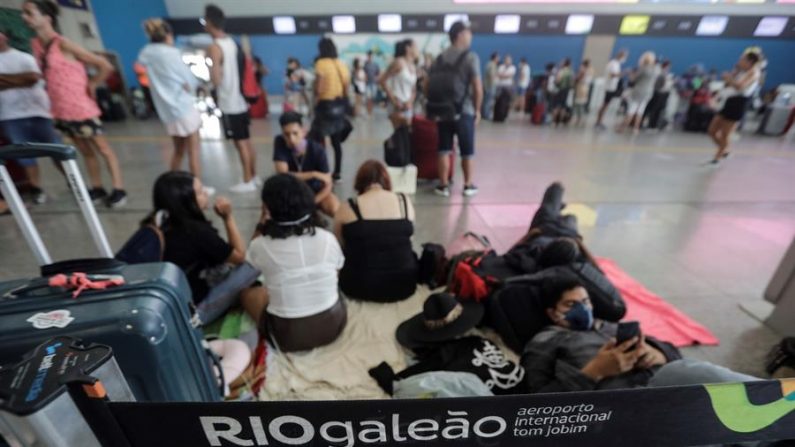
x: 577, y: 353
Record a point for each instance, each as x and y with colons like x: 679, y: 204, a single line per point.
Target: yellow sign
x: 634, y: 25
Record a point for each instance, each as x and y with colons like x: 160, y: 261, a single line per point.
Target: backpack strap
x: 405, y: 208
x: 355, y: 207
x: 457, y: 66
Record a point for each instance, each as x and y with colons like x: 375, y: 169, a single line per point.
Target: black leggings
x: 336, y: 143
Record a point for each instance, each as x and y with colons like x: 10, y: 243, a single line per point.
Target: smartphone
x: 627, y: 330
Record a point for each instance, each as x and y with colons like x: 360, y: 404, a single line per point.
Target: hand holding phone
x: 627, y: 330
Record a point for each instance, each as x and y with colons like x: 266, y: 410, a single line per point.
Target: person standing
x: 332, y: 82
x: 373, y: 72
x: 24, y: 108
x: 225, y: 76
x: 400, y: 84
x: 468, y: 88
x: 359, y: 85
x: 172, y: 86
x: 642, y: 90
x: 523, y: 83
x: 490, y: 85
x: 582, y: 84
x: 612, y: 82
x: 72, y: 96
x: 564, y: 80
x: 506, y: 74
x: 741, y: 84
x: 659, y: 100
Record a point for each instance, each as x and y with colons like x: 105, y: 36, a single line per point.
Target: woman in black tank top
x: 380, y: 264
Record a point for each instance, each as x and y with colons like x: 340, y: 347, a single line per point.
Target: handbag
x: 397, y: 148
x: 225, y: 292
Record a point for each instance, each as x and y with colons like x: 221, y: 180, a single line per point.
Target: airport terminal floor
x: 706, y: 239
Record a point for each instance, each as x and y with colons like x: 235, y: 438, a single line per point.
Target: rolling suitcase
x: 425, y: 148
x: 146, y: 320
x: 502, y: 106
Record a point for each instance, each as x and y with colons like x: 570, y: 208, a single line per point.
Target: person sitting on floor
x: 192, y: 243
x: 299, y: 261
x: 577, y: 353
x: 306, y: 159
x: 375, y: 231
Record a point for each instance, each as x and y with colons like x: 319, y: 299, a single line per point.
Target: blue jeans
x: 464, y: 128
x: 29, y: 130
x: 695, y: 372
x: 489, y: 95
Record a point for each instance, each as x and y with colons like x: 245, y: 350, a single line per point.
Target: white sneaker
x: 257, y: 180
x: 209, y: 190
x: 244, y: 187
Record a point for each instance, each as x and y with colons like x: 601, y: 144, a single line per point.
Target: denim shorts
x: 464, y: 128
x: 30, y: 130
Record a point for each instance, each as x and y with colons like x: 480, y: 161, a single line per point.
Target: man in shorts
x: 225, y: 77
x: 372, y: 71
x: 612, y: 81
x: 468, y: 80
x: 306, y: 159
x: 24, y: 108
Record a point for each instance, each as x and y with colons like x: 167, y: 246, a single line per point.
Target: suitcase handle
x: 66, y: 156
x: 59, y: 152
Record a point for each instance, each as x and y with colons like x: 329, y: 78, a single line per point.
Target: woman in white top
x: 506, y: 73
x: 299, y: 262
x: 742, y: 83
x: 399, y: 82
x: 359, y: 85
x: 172, y: 85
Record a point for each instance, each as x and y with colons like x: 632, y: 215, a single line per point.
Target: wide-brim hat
x: 443, y: 318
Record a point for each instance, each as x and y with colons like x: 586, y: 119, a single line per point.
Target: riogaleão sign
x: 692, y: 415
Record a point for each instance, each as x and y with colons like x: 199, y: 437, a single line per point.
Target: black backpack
x: 445, y: 98
x: 397, y: 148
x: 432, y: 269
x: 145, y: 245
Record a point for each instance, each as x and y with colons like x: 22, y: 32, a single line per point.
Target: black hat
x: 443, y: 318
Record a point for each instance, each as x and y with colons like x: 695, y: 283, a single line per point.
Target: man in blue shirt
x: 306, y: 159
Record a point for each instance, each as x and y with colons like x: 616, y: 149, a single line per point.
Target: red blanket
x: 657, y: 317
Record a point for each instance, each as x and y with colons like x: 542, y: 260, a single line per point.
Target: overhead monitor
x: 284, y: 25
x: 449, y: 19
x: 712, y: 25
x: 634, y: 24
x: 770, y: 26
x: 579, y: 24
x: 343, y: 24
x: 390, y: 23
x: 507, y: 23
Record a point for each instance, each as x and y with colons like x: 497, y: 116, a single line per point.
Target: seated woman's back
x: 300, y: 272
x: 376, y: 229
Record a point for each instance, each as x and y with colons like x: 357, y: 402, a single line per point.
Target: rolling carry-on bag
x: 144, y: 314
x: 425, y: 148
x: 502, y: 106
x: 775, y: 120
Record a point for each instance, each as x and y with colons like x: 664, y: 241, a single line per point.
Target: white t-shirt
x: 524, y: 76
x: 22, y: 102
x: 613, y: 68
x: 509, y: 71
x: 168, y: 76
x: 300, y: 272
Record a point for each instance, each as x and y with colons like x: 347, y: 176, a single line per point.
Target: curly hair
x: 291, y: 205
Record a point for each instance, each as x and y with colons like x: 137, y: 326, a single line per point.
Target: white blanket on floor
x: 340, y: 369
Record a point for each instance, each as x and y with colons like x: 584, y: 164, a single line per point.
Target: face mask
x: 580, y: 317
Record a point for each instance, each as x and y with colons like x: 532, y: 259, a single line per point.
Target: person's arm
x: 17, y: 80
x: 747, y: 79
x: 343, y: 215
x: 104, y: 68
x: 216, y: 56
x: 224, y: 210
x: 546, y: 373
x: 477, y: 96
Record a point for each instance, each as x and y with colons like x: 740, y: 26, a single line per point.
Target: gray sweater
x: 644, y: 83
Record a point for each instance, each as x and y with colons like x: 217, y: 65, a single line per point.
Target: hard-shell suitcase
x: 539, y: 113
x: 425, y: 148
x: 147, y: 320
x: 502, y: 106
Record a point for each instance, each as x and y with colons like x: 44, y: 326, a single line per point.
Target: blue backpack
x: 145, y: 245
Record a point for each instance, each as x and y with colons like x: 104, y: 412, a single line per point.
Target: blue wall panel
x: 274, y: 51
x: 720, y: 54
x: 120, y: 24
x: 539, y: 50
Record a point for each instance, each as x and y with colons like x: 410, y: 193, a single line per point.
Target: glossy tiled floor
x: 705, y: 239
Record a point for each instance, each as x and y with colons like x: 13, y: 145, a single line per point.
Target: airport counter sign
x: 674, y: 416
